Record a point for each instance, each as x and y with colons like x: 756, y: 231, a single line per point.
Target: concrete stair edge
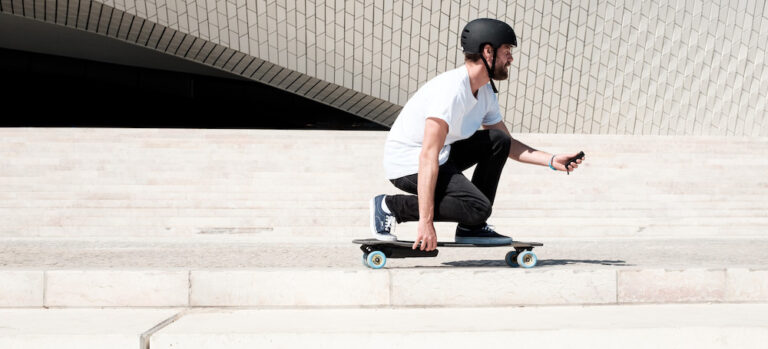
x: 388, y: 287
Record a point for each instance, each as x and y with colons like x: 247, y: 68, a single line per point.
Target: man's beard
x: 500, y: 73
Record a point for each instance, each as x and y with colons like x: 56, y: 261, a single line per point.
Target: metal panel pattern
x: 663, y: 67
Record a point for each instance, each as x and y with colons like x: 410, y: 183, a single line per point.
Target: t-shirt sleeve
x: 493, y: 116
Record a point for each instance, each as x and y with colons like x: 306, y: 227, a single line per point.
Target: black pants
x: 456, y: 198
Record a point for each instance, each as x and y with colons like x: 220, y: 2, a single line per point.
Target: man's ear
x: 488, y: 53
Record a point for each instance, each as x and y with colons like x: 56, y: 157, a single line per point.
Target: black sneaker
x: 482, y: 236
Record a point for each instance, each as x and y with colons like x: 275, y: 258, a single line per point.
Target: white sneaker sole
x: 382, y: 237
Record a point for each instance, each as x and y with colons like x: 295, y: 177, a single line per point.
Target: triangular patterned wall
x: 608, y: 67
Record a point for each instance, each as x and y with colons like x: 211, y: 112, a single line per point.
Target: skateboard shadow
x: 541, y: 263
x: 612, y: 262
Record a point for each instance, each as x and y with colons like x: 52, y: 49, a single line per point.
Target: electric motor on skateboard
x: 376, y: 252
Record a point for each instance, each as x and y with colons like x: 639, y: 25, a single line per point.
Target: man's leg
x: 489, y: 149
x: 456, y: 198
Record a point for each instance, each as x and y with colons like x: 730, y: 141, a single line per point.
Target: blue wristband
x: 550, y: 162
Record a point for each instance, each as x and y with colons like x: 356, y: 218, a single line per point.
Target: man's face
x: 503, y: 61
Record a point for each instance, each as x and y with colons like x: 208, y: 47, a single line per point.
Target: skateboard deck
x: 376, y: 252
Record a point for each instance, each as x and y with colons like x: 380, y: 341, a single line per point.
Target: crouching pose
x: 437, y: 136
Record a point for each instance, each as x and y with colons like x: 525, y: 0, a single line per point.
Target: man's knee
x: 479, y: 212
x: 500, y: 139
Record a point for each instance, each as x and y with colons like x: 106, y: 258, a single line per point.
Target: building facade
x: 659, y: 67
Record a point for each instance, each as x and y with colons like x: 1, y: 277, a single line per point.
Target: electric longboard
x: 376, y: 252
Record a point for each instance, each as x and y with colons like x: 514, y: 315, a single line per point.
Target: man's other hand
x: 561, y: 159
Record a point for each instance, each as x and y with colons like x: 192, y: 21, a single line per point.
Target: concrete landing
x: 77, y: 328
x: 626, y: 326
x: 669, y: 326
x: 233, y: 272
x: 249, y: 253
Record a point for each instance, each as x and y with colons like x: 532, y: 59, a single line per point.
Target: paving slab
x: 233, y: 251
x: 236, y: 271
x: 639, y: 326
x: 116, y: 288
x: 77, y: 328
x: 361, y: 287
x: 21, y: 288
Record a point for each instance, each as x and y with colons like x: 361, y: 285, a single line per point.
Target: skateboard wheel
x: 377, y: 259
x: 527, y: 259
x: 365, y: 259
x: 510, y: 258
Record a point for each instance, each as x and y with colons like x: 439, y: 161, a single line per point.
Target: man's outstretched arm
x: 523, y: 153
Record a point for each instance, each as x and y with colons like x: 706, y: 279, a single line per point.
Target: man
x: 436, y: 136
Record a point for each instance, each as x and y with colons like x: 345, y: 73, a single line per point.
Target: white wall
x: 645, y: 67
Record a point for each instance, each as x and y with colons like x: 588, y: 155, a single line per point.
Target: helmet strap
x: 490, y: 71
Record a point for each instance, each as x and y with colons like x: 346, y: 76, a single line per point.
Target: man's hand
x: 427, y: 238
x: 560, y: 160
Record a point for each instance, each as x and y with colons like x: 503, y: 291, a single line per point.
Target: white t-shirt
x: 447, y: 96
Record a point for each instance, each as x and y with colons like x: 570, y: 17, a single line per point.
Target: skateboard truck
x: 578, y: 156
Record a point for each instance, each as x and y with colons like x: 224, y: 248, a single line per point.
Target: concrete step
x: 337, y: 153
x: 362, y: 287
x: 502, y: 207
x: 359, y: 216
x: 564, y: 199
x: 536, y: 231
x: 319, y: 227
x: 14, y: 218
x: 168, y: 137
x: 283, y: 172
x: 242, y: 251
x: 299, y: 159
x: 78, y: 328
x: 509, y: 186
x: 341, y: 193
x: 605, y: 326
x: 356, y: 148
x: 233, y: 271
x: 694, y: 325
x: 262, y: 135
x: 541, y: 176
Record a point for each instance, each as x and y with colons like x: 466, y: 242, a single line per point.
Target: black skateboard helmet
x: 483, y: 31
x: 479, y: 32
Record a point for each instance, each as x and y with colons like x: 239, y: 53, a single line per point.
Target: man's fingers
x: 425, y: 244
x: 432, y: 244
